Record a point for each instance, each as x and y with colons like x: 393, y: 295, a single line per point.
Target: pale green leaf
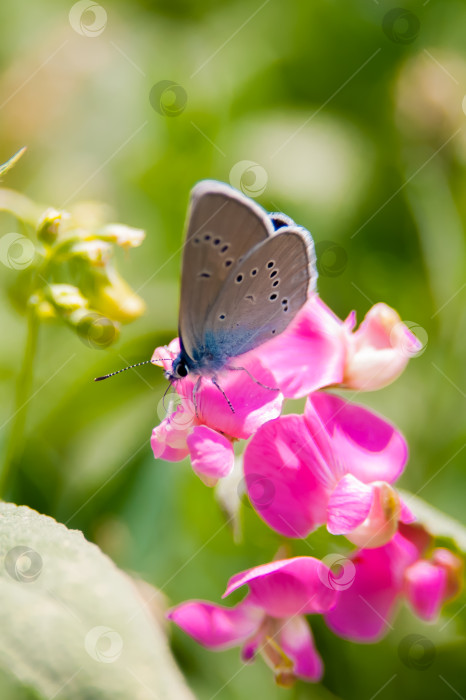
x: 73, y: 625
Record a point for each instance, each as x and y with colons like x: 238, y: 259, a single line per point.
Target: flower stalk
x: 15, y: 443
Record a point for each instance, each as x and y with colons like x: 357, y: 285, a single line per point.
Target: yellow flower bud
x: 49, y: 225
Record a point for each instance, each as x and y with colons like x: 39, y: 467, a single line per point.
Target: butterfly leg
x: 195, y: 390
x: 270, y: 388
x: 216, y: 384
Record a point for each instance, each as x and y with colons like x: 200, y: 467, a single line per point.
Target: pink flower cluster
x: 334, y: 465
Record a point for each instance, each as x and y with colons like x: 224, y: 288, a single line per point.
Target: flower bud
x: 43, y: 308
x: 124, y: 236
x: 45, y: 311
x: 66, y: 297
x: 94, y: 251
x: 49, y: 225
x: 379, y: 350
x: 109, y: 294
x: 453, y: 566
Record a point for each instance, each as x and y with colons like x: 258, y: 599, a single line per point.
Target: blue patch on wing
x: 220, y: 347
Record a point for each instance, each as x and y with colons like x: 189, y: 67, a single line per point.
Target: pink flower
x: 207, y: 435
x: 385, y: 576
x: 379, y: 350
x: 334, y: 466
x: 270, y: 619
x: 318, y: 350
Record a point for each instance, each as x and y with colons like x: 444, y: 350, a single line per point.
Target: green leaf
x: 20, y: 206
x: 435, y: 521
x: 11, y: 161
x: 73, y: 625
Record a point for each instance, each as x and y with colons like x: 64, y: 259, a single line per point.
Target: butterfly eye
x: 273, y: 296
x: 222, y: 317
x: 224, y: 248
x: 228, y: 262
x: 254, y: 271
x: 273, y: 274
x: 275, y: 283
x: 239, y: 278
x: 216, y: 241
x: 271, y: 264
x: 207, y: 237
x: 181, y: 371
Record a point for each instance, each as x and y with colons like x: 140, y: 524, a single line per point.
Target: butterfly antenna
x: 112, y: 374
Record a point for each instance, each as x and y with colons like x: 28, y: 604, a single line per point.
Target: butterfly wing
x: 262, y: 294
x: 222, y: 226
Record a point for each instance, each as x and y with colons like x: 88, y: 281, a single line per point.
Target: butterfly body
x: 207, y: 359
x: 245, y: 275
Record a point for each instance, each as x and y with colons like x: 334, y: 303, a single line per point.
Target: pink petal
x: 425, y: 586
x: 164, y: 355
x: 253, y: 643
x: 364, y: 444
x: 382, y: 520
x: 348, y: 506
x: 215, y: 626
x: 296, y: 640
x: 453, y: 566
x: 310, y: 353
x: 379, y: 350
x: 169, y: 443
x: 350, y: 321
x: 212, y: 454
x: 253, y: 404
x: 287, y: 587
x: 406, y: 514
x: 167, y: 453
x: 281, y: 484
x: 363, y: 610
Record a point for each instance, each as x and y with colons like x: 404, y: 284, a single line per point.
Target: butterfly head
x: 179, y: 369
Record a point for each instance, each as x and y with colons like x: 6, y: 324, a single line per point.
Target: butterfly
x: 245, y: 275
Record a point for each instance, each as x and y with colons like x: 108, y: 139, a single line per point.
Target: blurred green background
x: 353, y: 117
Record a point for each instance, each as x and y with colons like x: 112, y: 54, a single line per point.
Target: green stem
x: 15, y: 443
